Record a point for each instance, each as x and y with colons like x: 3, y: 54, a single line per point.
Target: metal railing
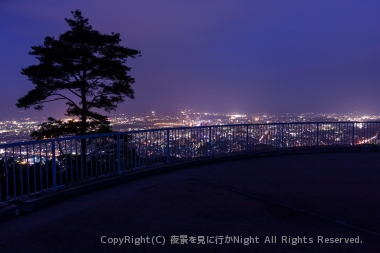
x: 29, y: 168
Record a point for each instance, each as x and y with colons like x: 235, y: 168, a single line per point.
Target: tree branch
x: 64, y: 97
x: 95, y: 81
x: 74, y: 92
x: 51, y: 100
x: 101, y: 94
x: 76, y: 79
x: 95, y: 97
x: 92, y: 83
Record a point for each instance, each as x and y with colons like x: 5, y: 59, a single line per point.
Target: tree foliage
x: 84, y: 68
x: 56, y: 128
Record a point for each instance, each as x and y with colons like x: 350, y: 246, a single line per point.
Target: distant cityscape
x: 19, y: 130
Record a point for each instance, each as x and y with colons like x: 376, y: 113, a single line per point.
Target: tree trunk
x: 83, y: 130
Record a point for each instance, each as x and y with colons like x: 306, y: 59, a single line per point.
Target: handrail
x: 31, y: 167
x: 180, y: 128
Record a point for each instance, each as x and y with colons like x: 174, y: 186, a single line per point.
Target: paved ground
x: 304, y: 199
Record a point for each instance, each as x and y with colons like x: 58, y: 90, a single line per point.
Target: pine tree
x: 84, y: 68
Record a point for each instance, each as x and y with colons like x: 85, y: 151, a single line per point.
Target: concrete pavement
x: 308, y: 203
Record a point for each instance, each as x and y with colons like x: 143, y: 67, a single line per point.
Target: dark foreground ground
x: 304, y: 201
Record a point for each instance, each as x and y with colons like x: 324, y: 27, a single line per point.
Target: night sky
x: 240, y: 56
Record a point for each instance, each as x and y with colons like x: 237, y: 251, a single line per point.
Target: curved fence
x: 33, y: 167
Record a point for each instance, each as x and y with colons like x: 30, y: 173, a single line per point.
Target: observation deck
x: 307, y: 189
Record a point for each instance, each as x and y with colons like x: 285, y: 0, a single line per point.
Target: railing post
x: 353, y: 133
x: 246, y: 138
x: 317, y: 134
x: 53, y: 166
x: 210, y: 153
x: 167, y: 146
x: 282, y: 136
x: 118, y: 155
x: 6, y: 178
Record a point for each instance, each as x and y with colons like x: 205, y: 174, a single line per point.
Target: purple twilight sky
x: 215, y: 55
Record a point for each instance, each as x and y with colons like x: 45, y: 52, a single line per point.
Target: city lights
x: 18, y: 130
